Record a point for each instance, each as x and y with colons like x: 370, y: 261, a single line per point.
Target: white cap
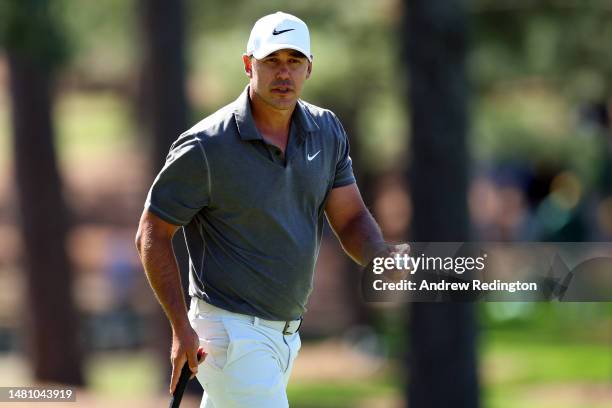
x: 278, y: 31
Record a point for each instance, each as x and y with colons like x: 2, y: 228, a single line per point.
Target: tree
x: 164, y: 111
x: 163, y: 75
x: 34, y: 45
x: 442, y: 360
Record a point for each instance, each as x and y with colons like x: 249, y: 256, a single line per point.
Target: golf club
x: 177, y: 395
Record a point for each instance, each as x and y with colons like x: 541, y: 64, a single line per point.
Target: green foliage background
x: 532, y: 65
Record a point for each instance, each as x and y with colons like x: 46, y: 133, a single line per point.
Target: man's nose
x: 283, y: 71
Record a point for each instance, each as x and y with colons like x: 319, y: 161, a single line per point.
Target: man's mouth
x: 282, y: 90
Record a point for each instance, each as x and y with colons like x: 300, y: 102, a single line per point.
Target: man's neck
x: 268, y: 120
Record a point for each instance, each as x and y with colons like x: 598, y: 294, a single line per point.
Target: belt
x: 284, y: 326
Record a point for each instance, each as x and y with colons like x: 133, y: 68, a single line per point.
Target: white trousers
x: 248, y: 364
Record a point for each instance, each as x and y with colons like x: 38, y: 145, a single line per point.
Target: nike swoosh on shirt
x: 281, y: 31
x: 313, y: 156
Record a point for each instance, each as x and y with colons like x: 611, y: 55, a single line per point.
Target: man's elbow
x: 138, y: 240
x: 143, y: 234
x: 153, y: 232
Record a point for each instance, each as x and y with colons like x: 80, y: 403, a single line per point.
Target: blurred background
x: 480, y: 120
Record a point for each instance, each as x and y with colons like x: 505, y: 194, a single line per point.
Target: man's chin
x: 284, y: 107
x: 283, y: 104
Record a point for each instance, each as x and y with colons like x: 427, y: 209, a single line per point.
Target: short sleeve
x: 344, y: 165
x: 182, y: 187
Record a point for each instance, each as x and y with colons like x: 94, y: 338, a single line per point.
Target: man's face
x: 278, y: 78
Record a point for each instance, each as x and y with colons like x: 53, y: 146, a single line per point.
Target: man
x: 249, y: 186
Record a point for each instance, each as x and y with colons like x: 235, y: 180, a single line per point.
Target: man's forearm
x: 361, y: 238
x: 162, y: 271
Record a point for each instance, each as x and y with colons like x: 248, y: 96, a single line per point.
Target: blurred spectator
x: 393, y: 208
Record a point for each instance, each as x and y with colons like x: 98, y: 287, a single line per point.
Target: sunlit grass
x: 85, y: 124
x: 530, y: 362
x: 123, y: 374
x: 341, y: 394
x: 89, y: 123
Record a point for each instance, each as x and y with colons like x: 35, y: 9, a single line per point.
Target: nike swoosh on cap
x: 281, y: 31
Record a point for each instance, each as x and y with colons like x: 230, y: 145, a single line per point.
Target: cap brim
x: 270, y: 48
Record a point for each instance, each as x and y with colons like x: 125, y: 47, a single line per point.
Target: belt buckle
x: 287, y: 323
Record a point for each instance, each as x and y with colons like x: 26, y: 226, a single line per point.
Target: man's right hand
x: 185, y: 343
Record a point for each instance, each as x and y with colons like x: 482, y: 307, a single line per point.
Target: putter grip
x: 177, y: 395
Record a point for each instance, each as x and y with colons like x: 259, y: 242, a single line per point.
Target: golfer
x: 250, y: 185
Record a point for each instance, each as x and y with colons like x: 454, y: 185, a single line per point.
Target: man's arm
x: 353, y: 224
x: 154, y: 244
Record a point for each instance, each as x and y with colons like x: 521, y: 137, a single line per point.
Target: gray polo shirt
x: 252, y: 219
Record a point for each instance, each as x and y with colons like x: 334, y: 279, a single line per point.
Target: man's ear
x: 309, y: 70
x: 248, y: 65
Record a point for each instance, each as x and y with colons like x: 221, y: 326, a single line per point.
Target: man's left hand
x: 396, y: 274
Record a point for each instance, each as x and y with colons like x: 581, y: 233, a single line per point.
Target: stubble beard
x: 277, y: 103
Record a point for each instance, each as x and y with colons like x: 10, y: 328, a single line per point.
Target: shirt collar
x: 246, y: 124
x: 244, y: 117
x: 305, y: 119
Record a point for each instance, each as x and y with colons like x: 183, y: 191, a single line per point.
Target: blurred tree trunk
x: 442, y: 361
x: 52, y: 346
x: 163, y: 107
x: 163, y: 75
